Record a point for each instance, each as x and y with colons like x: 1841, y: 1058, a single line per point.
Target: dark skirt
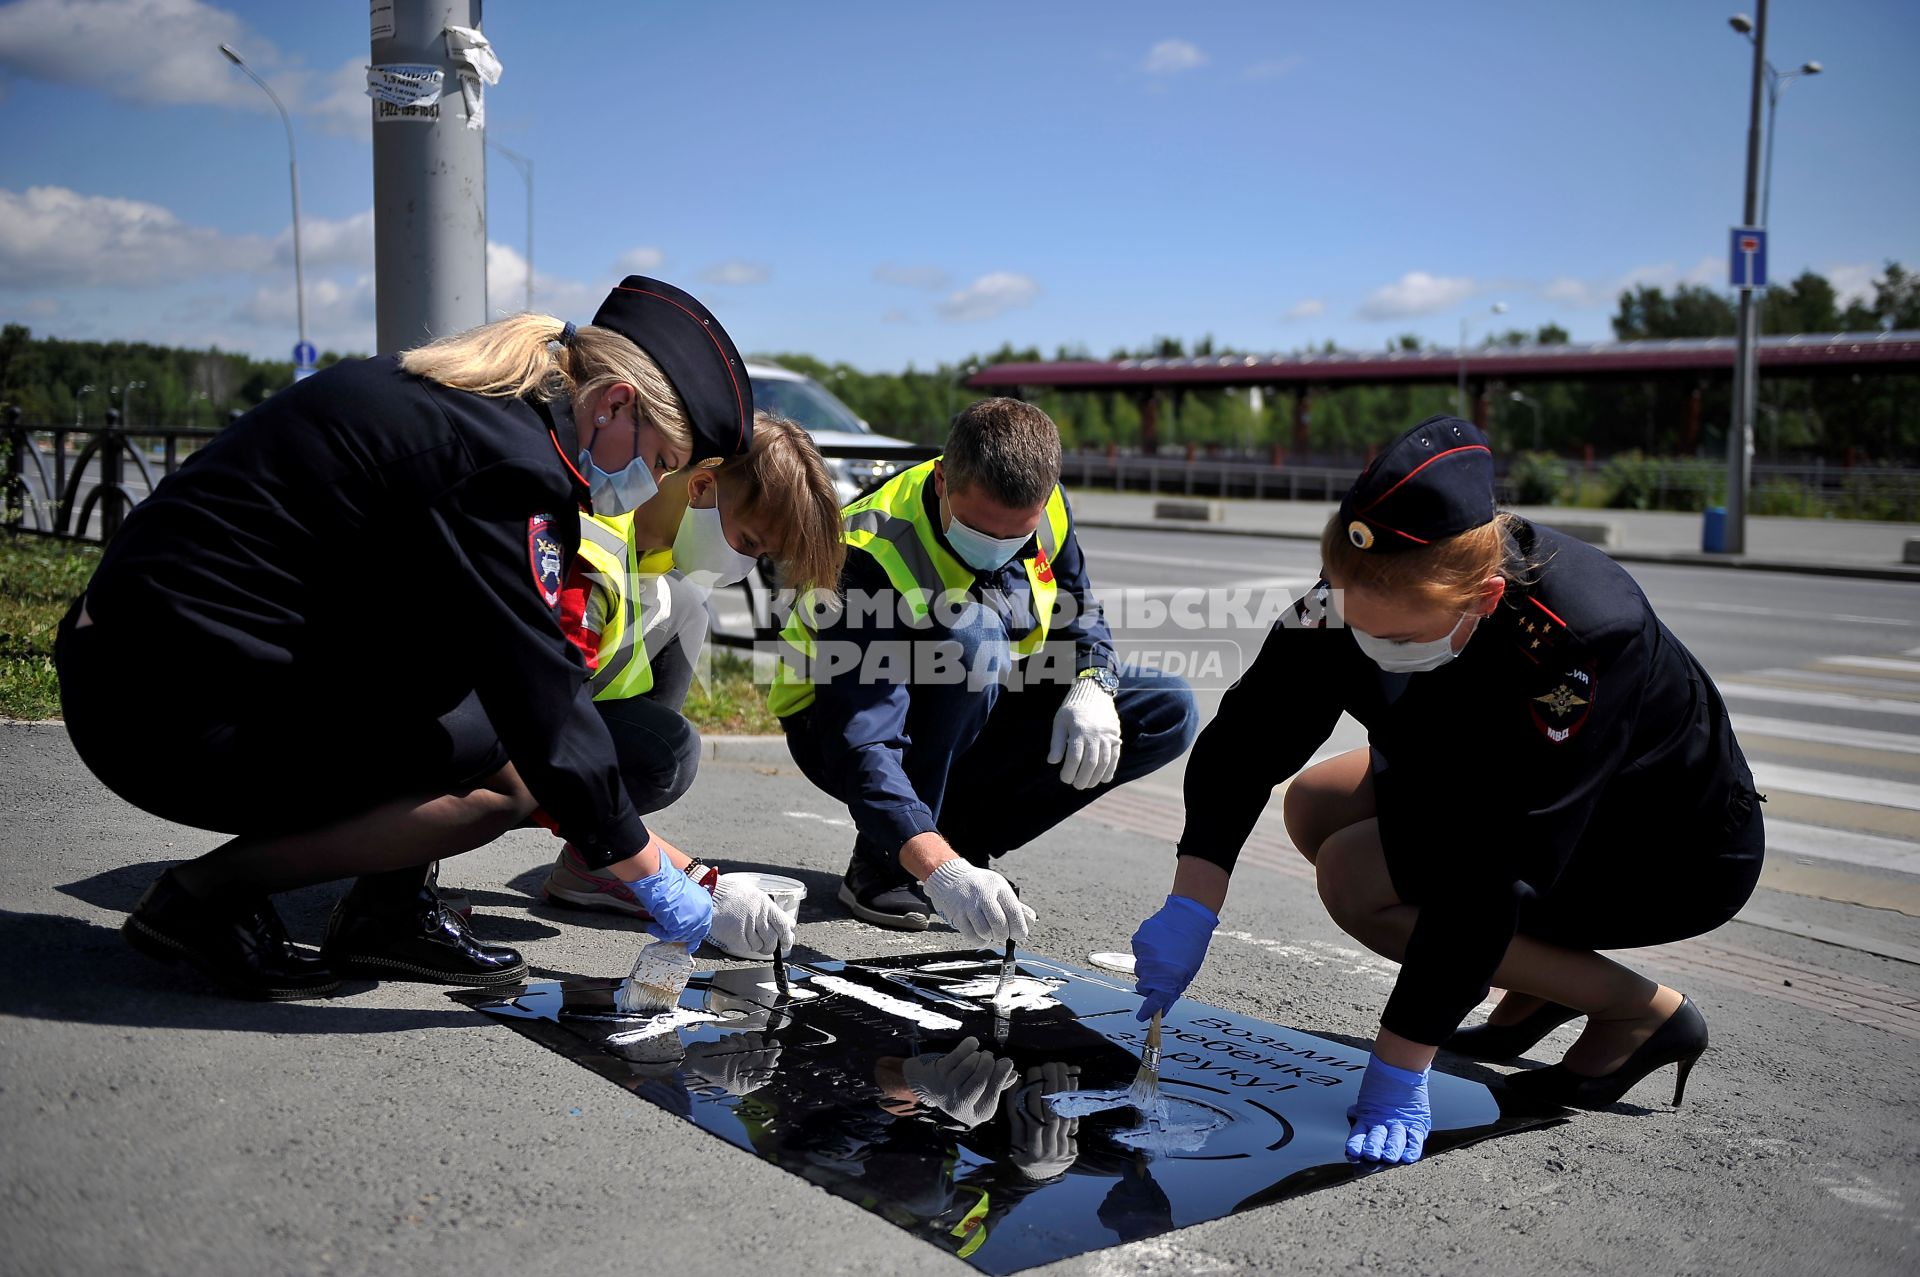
x: 261, y: 752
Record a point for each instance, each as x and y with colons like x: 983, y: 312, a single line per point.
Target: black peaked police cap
x: 1433, y: 482
x: 695, y: 353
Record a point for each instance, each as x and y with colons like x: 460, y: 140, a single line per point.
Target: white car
x: 800, y: 398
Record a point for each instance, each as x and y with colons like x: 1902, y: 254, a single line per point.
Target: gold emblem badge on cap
x: 1360, y: 534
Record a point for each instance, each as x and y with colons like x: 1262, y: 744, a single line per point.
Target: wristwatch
x: 1108, y: 680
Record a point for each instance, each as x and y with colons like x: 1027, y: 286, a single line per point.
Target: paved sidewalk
x: 1845, y: 546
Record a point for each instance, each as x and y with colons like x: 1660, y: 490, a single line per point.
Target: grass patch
x: 731, y: 703
x: 39, y: 579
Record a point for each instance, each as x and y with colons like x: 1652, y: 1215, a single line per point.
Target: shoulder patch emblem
x: 1042, y: 566
x: 544, y: 557
x: 1562, y: 710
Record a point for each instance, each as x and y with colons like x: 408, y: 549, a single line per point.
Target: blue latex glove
x: 682, y: 909
x: 1391, y: 1118
x: 1168, y: 950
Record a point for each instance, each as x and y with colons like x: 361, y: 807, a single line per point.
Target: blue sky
x: 891, y: 183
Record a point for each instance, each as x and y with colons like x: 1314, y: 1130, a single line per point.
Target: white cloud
x: 896, y: 316
x: 638, y: 261
x: 1852, y: 282
x: 1416, y: 293
x: 1307, y: 308
x: 1273, y: 68
x: 552, y: 294
x: 931, y: 278
x: 990, y: 296
x: 1604, y: 294
x: 736, y: 272
x: 54, y: 237
x: 326, y: 244
x: 1171, y: 57
x: 340, y: 313
x: 166, y: 53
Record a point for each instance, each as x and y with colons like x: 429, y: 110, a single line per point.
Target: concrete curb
x: 745, y: 749
x: 1676, y: 558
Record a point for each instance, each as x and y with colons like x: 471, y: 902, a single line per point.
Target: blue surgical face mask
x: 620, y: 493
x: 1407, y: 657
x: 979, y: 551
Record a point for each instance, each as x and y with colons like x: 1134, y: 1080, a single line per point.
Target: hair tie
x: 567, y: 334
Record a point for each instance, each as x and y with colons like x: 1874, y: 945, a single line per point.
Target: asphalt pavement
x: 151, y: 1127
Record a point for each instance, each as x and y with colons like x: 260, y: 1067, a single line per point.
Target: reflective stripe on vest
x: 608, y: 560
x: 892, y: 525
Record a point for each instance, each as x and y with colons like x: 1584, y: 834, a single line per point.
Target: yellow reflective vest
x: 892, y: 524
x: 610, y: 561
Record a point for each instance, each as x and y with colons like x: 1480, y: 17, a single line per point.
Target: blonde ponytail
x: 521, y: 355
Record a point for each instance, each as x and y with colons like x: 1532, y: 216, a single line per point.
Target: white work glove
x: 1086, y: 734
x: 739, y: 1064
x: 979, y: 904
x: 1043, y: 1144
x: 746, y: 922
x: 964, y: 1083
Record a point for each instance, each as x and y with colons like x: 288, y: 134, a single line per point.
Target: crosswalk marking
x: 1893, y: 664
x: 1795, y: 729
x: 1842, y: 845
x: 1740, y: 689
x: 1847, y: 682
x: 1851, y: 789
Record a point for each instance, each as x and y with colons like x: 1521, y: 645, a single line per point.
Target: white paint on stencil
x: 886, y: 1002
x: 835, y: 821
x: 965, y: 964
x: 677, y: 1018
x: 1183, y: 1128
x: 1023, y: 992
x: 796, y: 995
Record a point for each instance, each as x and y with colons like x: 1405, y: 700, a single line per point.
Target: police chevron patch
x: 545, y: 557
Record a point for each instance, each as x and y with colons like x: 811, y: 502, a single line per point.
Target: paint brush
x: 658, y: 979
x: 1145, y: 1091
x: 1006, y: 974
x: 780, y: 973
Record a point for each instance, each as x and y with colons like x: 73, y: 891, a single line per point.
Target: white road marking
x: 1191, y: 563
x: 1893, y: 663
x: 1845, y: 682
x: 1842, y: 845
x: 1852, y: 789
x: 1793, y: 729
x: 835, y: 821
x: 1743, y: 609
x: 1735, y: 689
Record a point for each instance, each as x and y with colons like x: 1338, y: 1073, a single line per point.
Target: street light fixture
x: 126, y: 402
x: 1460, y: 396
x: 79, y: 408
x: 1777, y: 82
x: 293, y: 172
x: 525, y: 166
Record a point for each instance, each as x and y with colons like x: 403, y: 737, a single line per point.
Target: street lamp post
x: 1777, y: 82
x: 1460, y: 395
x: 1533, y: 406
x: 293, y: 173
x: 525, y: 166
x: 1740, y: 435
x: 79, y: 408
x: 126, y: 402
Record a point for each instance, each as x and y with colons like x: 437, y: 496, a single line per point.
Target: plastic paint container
x: 786, y: 892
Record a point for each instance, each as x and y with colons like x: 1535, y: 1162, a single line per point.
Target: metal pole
x: 293, y: 177
x: 1766, y: 179
x: 524, y: 167
x: 429, y: 189
x: 1746, y: 363
x: 1460, y: 392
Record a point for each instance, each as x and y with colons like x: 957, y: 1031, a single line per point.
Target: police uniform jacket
x: 376, y: 544
x: 1572, y: 724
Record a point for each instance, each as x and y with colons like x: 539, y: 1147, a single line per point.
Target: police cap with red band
x: 1433, y: 482
x: 695, y: 353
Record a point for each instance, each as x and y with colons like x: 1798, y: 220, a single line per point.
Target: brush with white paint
x: 658, y: 979
x: 1145, y: 1092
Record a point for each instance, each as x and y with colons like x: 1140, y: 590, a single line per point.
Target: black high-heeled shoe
x: 1495, y: 1042
x: 1681, y: 1040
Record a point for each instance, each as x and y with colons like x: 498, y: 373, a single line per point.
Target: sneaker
x: 883, y: 901
x: 571, y: 883
x: 240, y: 946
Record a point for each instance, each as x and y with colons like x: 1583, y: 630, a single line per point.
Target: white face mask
x: 620, y: 493
x: 702, y: 553
x: 1409, y: 657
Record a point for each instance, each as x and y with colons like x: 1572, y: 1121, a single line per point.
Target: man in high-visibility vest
x: 961, y: 695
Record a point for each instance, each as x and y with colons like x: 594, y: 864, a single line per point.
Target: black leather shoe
x: 242, y: 947
x: 1681, y: 1040
x: 1495, y: 1042
x: 896, y: 903
x: 377, y: 931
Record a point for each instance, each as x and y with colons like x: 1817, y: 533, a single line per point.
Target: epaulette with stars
x: 1560, y: 698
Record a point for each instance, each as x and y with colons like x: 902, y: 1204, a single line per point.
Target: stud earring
x: 599, y: 421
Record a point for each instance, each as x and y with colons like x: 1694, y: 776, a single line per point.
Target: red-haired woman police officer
x: 1548, y: 772
x: 332, y: 634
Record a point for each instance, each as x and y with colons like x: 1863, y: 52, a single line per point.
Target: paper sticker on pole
x: 1749, y: 257
x: 405, y: 91
x: 380, y: 18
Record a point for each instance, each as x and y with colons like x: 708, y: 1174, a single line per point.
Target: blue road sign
x: 304, y: 354
x: 1749, y: 257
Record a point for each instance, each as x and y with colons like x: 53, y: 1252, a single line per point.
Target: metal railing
x: 58, y: 478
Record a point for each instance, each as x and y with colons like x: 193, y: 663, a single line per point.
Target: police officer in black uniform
x: 1548, y: 772
x: 331, y: 634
